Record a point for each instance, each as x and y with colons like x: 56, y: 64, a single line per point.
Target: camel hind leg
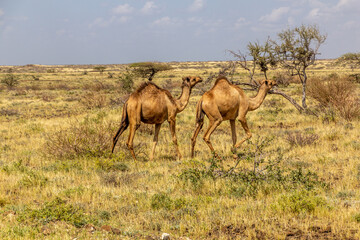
x: 246, y: 129
x: 134, y: 116
x: 156, y: 134
x: 215, y: 120
x: 123, y: 126
x: 198, y: 127
x: 213, y: 124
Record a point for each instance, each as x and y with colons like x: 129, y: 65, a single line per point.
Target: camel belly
x: 228, y: 109
x: 153, y: 115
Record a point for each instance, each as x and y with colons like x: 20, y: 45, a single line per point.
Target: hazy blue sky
x: 124, y: 31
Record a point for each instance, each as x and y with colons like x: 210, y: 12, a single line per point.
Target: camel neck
x: 183, y: 100
x: 255, y: 102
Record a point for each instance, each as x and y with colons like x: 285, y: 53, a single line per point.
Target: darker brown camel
x: 153, y: 105
x: 226, y: 101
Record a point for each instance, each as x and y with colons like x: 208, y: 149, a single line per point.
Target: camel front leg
x: 172, y: 124
x: 233, y: 134
x: 156, y: 134
x: 247, y: 132
x: 199, y: 126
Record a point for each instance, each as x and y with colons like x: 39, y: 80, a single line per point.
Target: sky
x: 55, y: 32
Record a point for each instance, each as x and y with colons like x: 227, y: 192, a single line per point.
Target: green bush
x: 127, y: 81
x: 10, y: 80
x: 112, y: 163
x: 56, y: 210
x: 161, y: 200
x: 33, y: 179
x: 300, y: 202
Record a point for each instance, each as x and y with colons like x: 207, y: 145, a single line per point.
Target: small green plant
x: 3, y: 202
x: 110, y: 75
x: 32, y: 179
x: 112, y: 163
x: 35, y: 78
x: 193, y: 177
x: 100, y: 69
x: 56, y: 210
x: 104, y: 215
x: 300, y: 202
x: 161, y: 200
x: 357, y: 217
x: 10, y: 80
x: 127, y: 81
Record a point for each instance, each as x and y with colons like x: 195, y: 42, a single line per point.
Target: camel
x: 153, y: 105
x: 226, y: 101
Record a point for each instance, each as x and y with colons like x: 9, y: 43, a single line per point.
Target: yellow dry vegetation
x: 297, y: 178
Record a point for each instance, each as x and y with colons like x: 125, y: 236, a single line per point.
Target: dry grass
x: 298, y: 177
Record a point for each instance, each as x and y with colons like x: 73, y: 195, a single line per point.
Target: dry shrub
x: 59, y: 86
x: 283, y: 79
x: 301, y: 139
x: 93, y: 100
x: 118, y: 179
x: 9, y: 112
x: 338, y: 93
x: 97, y: 86
x: 92, y: 137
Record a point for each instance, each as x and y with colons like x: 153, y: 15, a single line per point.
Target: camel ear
x: 186, y: 79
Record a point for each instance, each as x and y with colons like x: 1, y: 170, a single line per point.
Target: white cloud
x: 101, y: 22
x: 197, y: 5
x: 164, y: 21
x: 123, y: 9
x: 148, y: 8
x: 275, y: 15
x: 240, y: 23
x: 197, y: 20
x: 351, y: 5
x: 314, y: 13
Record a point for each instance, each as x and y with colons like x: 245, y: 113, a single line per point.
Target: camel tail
x: 199, y: 112
x: 123, y: 126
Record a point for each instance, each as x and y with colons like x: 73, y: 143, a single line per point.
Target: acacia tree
x: 262, y: 57
x: 296, y: 51
x: 351, y: 58
x: 149, y: 69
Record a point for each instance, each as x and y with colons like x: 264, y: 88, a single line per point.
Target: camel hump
x: 221, y: 79
x: 146, y: 85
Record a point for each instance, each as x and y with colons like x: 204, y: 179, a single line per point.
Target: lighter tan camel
x: 226, y: 101
x: 153, y: 105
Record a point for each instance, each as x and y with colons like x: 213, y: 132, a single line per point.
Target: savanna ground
x: 298, y: 177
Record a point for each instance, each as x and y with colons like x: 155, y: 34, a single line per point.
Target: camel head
x: 191, y: 81
x: 268, y: 83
